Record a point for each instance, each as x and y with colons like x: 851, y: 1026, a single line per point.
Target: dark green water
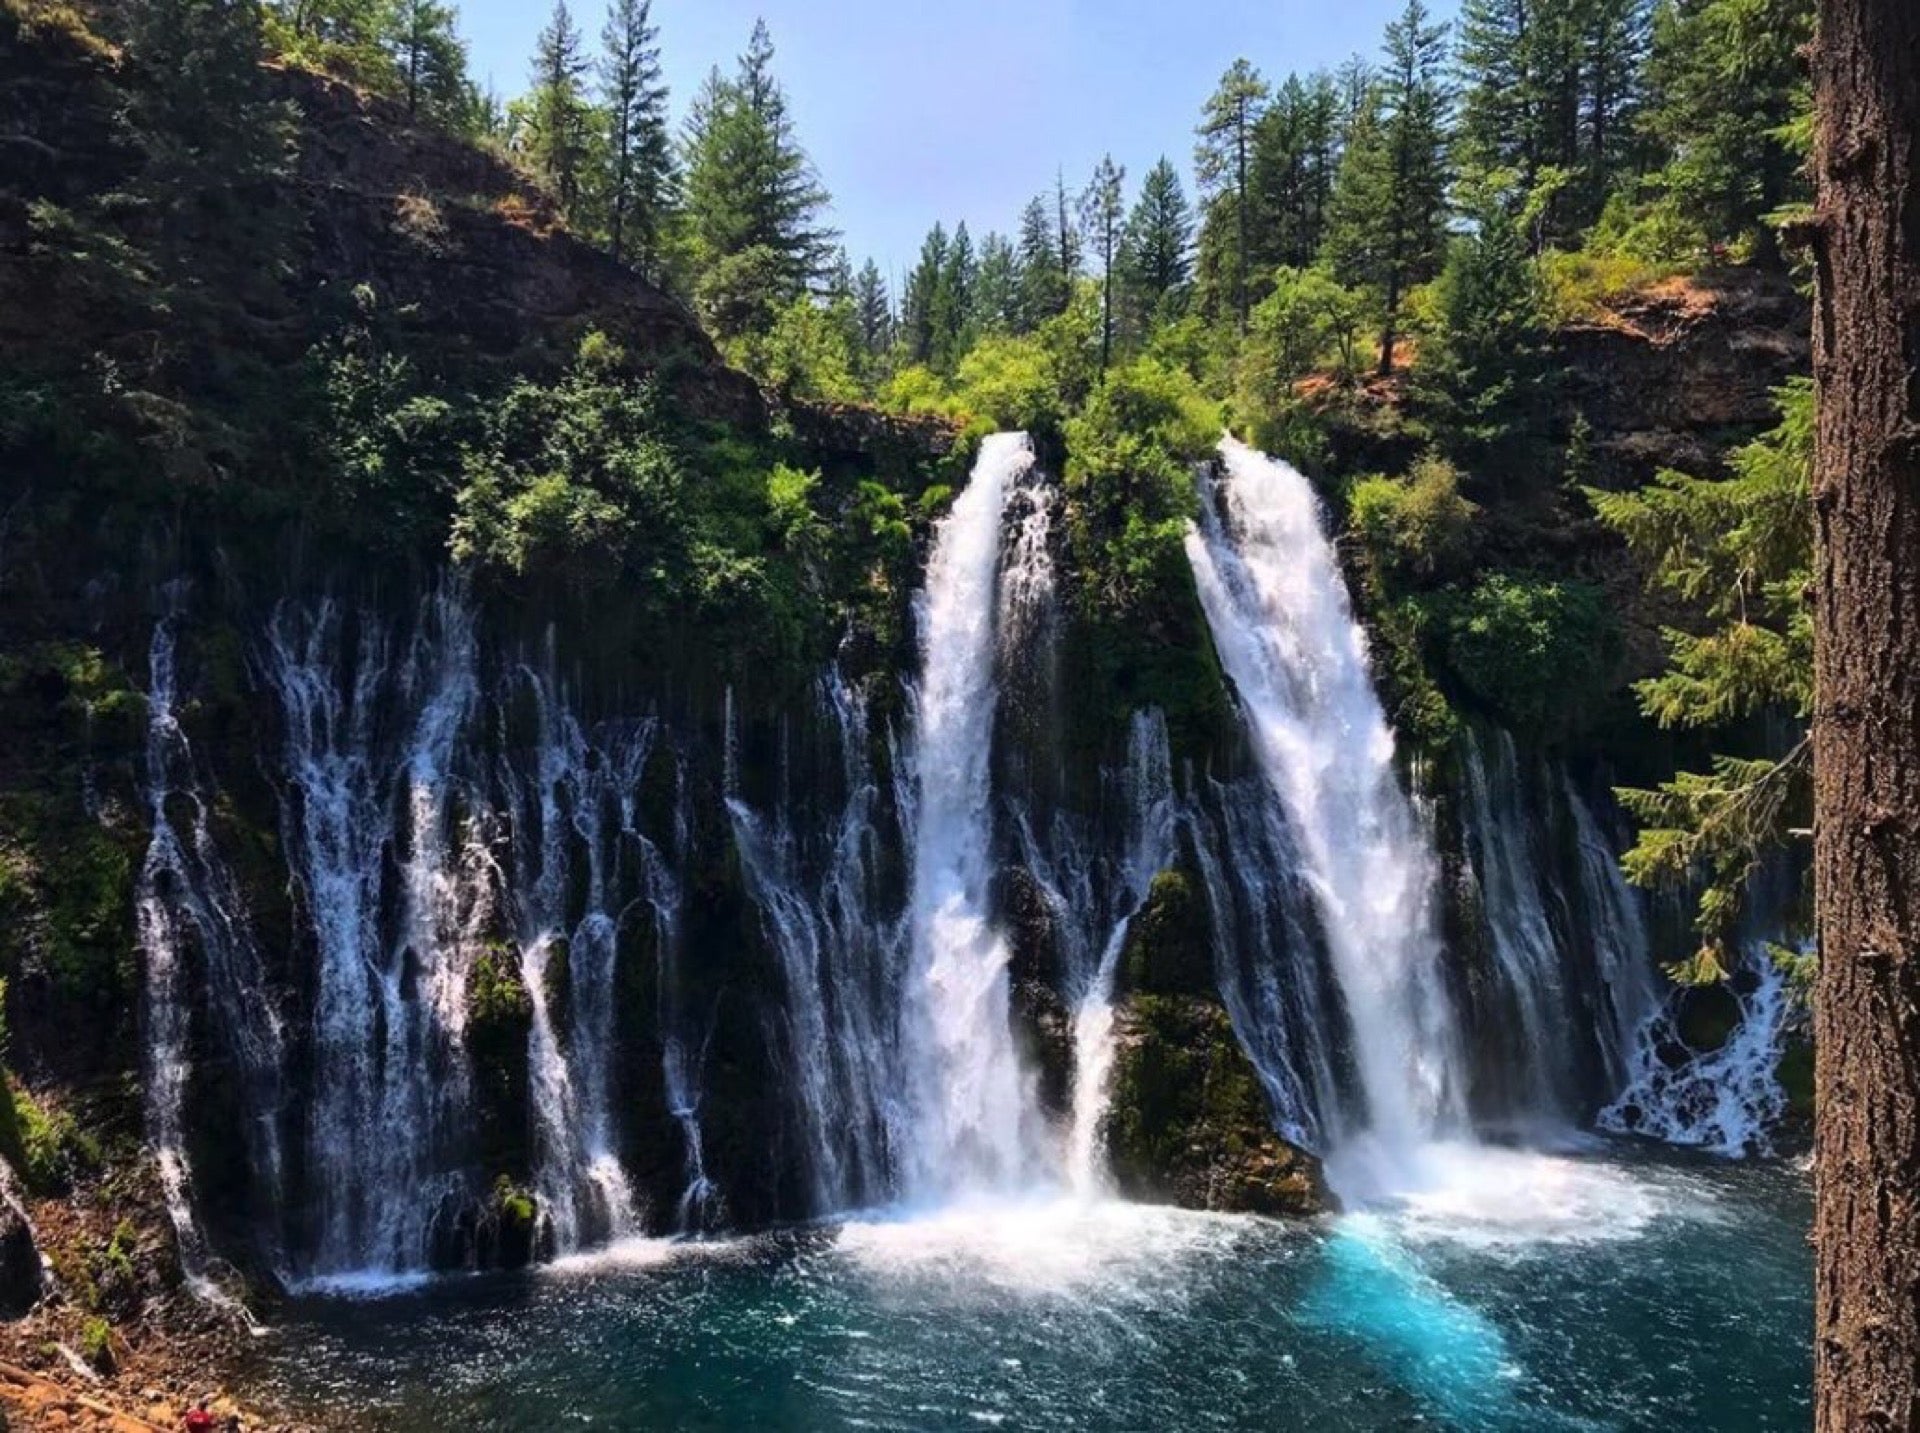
x: 1536, y: 1294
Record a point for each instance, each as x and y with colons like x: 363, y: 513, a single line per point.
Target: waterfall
x: 1538, y: 1031
x: 579, y: 851
x: 972, y: 1102
x: 1278, y: 610
x: 186, y: 903
x: 372, y: 821
x: 1268, y: 957
x: 840, y: 960
x: 1726, y: 1099
x: 701, y: 1205
x: 1622, y: 954
x: 1151, y: 814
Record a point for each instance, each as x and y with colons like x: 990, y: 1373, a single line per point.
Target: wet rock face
x: 1189, y: 1124
x: 19, y: 1258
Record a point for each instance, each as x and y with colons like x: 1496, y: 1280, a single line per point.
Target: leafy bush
x: 808, y: 352
x: 1010, y: 383
x: 1418, y: 525
x: 96, y: 1344
x: 1586, y: 284
x: 1531, y: 652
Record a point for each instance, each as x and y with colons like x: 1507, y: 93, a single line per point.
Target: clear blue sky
x: 962, y: 109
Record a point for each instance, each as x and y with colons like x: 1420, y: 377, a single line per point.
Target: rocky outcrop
x: 1189, y: 1123
x: 1675, y: 375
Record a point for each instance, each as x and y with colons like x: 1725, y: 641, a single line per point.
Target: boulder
x: 1189, y: 1123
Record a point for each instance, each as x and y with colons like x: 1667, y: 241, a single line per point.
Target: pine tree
x: 749, y: 184
x: 1728, y: 165
x: 1069, y: 236
x: 433, y: 64
x: 1482, y: 377
x: 953, y: 301
x: 639, y: 150
x: 1157, y: 272
x: 873, y: 311
x: 1103, y: 215
x: 1043, y: 287
x: 920, y: 314
x: 996, y: 289
x: 561, y: 117
x: 1223, y: 163
x: 1291, y: 182
x: 1387, y: 227
x: 214, y: 139
x: 1549, y: 87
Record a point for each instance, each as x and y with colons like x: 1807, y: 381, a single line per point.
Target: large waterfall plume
x: 973, y: 1129
x: 1278, y: 609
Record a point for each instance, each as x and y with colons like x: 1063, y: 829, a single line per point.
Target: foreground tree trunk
x: 1866, y: 239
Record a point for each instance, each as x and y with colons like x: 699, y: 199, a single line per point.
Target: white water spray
x: 972, y: 1131
x: 1279, y: 613
x: 186, y: 903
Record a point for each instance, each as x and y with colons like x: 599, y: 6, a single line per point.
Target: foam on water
x: 1044, y: 1246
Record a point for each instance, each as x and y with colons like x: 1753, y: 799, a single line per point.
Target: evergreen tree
x: 433, y: 64
x: 1482, y: 376
x: 1043, y: 287
x: 1103, y: 216
x: 920, y: 309
x: 1549, y: 88
x: 1068, y: 233
x: 996, y: 289
x: 639, y: 150
x: 873, y: 312
x: 1157, y: 272
x: 1735, y: 553
x: 953, y: 301
x: 214, y: 139
x: 1386, y: 231
x: 561, y: 117
x: 1223, y: 163
x: 1295, y: 149
x: 749, y: 184
x: 1728, y: 164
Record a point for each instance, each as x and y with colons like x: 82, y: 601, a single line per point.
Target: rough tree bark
x: 1866, y: 489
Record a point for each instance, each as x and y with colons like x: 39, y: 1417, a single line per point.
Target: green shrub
x: 1418, y: 525
x: 96, y: 1344
x: 1533, y: 653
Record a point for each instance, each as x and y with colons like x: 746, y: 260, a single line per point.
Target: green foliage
x: 808, y: 352
x: 1530, y: 652
x: 1168, y: 950
x: 96, y: 1343
x: 1738, y: 551
x: 46, y: 1145
x: 1386, y: 228
x: 1418, y: 526
x: 1482, y: 374
x: 1306, y: 321
x: 1012, y: 383
x: 1530, y: 65
x: 641, y: 176
x: 1727, y: 91
x: 749, y: 184
x: 580, y: 474
x: 1587, y: 284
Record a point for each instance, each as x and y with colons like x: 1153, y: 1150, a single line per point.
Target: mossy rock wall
x: 1189, y: 1123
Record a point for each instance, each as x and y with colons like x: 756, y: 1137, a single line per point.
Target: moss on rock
x: 1169, y: 950
x: 1189, y: 1124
